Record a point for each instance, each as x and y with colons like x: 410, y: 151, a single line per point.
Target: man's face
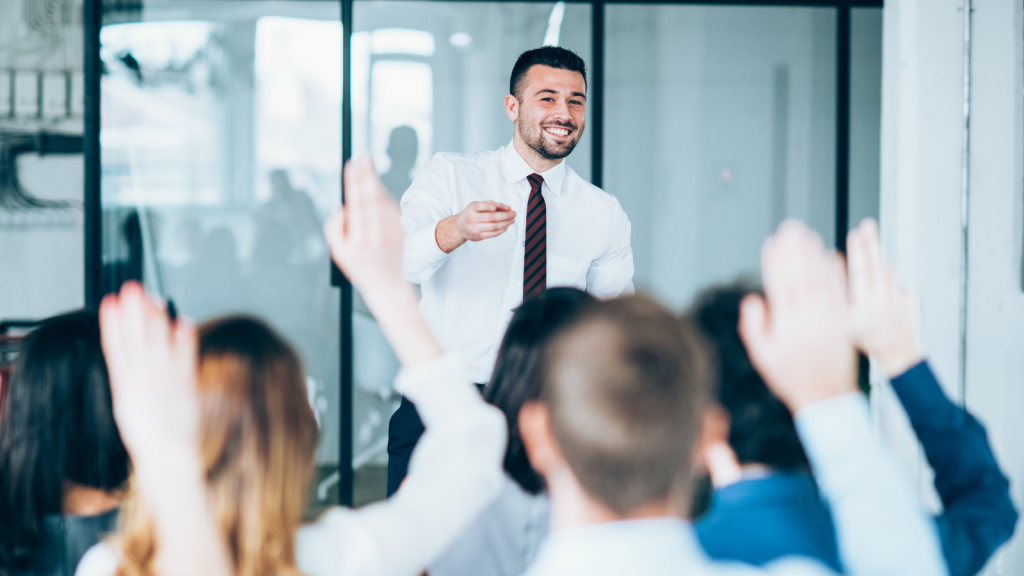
x: 552, y: 110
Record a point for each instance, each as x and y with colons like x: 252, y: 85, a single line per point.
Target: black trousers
x: 404, y: 432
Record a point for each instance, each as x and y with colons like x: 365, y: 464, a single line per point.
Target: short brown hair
x: 625, y: 385
x: 552, y: 56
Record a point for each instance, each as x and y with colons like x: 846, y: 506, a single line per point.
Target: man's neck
x: 572, y: 507
x: 539, y: 163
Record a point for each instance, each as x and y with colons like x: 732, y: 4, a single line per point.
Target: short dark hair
x: 553, y: 56
x: 517, y: 373
x: 57, y: 425
x: 625, y: 386
x: 762, y: 429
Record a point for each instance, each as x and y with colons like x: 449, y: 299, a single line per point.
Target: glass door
x: 221, y: 158
x: 720, y: 121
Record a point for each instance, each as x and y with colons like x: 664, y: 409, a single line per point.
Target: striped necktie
x: 535, y: 254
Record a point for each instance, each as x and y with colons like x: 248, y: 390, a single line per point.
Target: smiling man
x: 486, y: 231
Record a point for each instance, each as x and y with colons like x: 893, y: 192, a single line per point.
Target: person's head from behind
x: 624, y: 391
x: 403, y: 146
x: 761, y: 428
x: 518, y: 371
x: 58, y: 437
x: 258, y: 439
x: 548, y: 100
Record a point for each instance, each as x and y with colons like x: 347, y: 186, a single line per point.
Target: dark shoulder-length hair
x: 518, y: 370
x: 57, y: 426
x: 761, y: 428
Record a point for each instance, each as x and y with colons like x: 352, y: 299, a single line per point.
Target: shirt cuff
x: 833, y: 429
x: 914, y: 370
x: 440, y: 387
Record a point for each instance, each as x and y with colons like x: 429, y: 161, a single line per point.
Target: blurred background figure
x: 214, y: 276
x: 291, y: 206
x: 403, y: 147
x: 62, y: 463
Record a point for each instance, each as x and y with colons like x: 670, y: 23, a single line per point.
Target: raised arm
x: 152, y: 365
x: 456, y: 468
x: 978, y: 515
x: 798, y: 337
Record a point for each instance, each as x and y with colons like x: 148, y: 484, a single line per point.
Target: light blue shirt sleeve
x: 880, y: 525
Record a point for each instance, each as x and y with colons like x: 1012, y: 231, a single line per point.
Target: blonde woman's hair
x: 258, y: 440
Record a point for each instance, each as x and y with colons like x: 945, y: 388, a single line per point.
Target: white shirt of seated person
x: 468, y: 294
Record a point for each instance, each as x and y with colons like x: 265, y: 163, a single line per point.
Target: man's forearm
x: 447, y: 234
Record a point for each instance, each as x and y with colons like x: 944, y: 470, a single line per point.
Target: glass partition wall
x: 221, y: 146
x: 216, y: 133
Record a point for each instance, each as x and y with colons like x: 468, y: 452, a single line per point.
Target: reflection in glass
x: 432, y: 77
x: 719, y: 123
x: 221, y: 157
x: 865, y: 113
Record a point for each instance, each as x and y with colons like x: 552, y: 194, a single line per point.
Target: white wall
x: 42, y: 263
x: 922, y: 144
x: 41, y: 251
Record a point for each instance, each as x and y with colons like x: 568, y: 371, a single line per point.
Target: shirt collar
x: 652, y: 547
x: 517, y: 169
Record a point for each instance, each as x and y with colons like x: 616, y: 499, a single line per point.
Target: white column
x: 922, y: 147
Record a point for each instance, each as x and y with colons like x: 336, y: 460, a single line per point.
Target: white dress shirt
x: 469, y: 295
x: 454, y: 474
x: 880, y: 527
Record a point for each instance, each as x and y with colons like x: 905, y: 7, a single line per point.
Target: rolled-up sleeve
x: 612, y: 274
x: 427, y: 202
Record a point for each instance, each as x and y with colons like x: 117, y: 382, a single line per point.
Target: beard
x: 544, y: 144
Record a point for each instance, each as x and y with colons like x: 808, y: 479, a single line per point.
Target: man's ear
x: 512, y: 107
x: 538, y: 439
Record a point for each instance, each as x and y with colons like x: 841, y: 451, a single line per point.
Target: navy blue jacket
x: 759, y: 520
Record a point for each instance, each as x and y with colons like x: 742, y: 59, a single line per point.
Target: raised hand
x: 365, y: 238
x: 152, y: 366
x: 884, y: 314
x: 798, y: 335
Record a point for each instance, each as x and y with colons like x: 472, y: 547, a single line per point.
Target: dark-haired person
x: 486, y: 231
x: 766, y: 504
x: 62, y: 463
x: 503, y: 540
x: 623, y: 407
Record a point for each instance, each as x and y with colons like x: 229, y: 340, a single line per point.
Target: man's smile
x: 558, y: 131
